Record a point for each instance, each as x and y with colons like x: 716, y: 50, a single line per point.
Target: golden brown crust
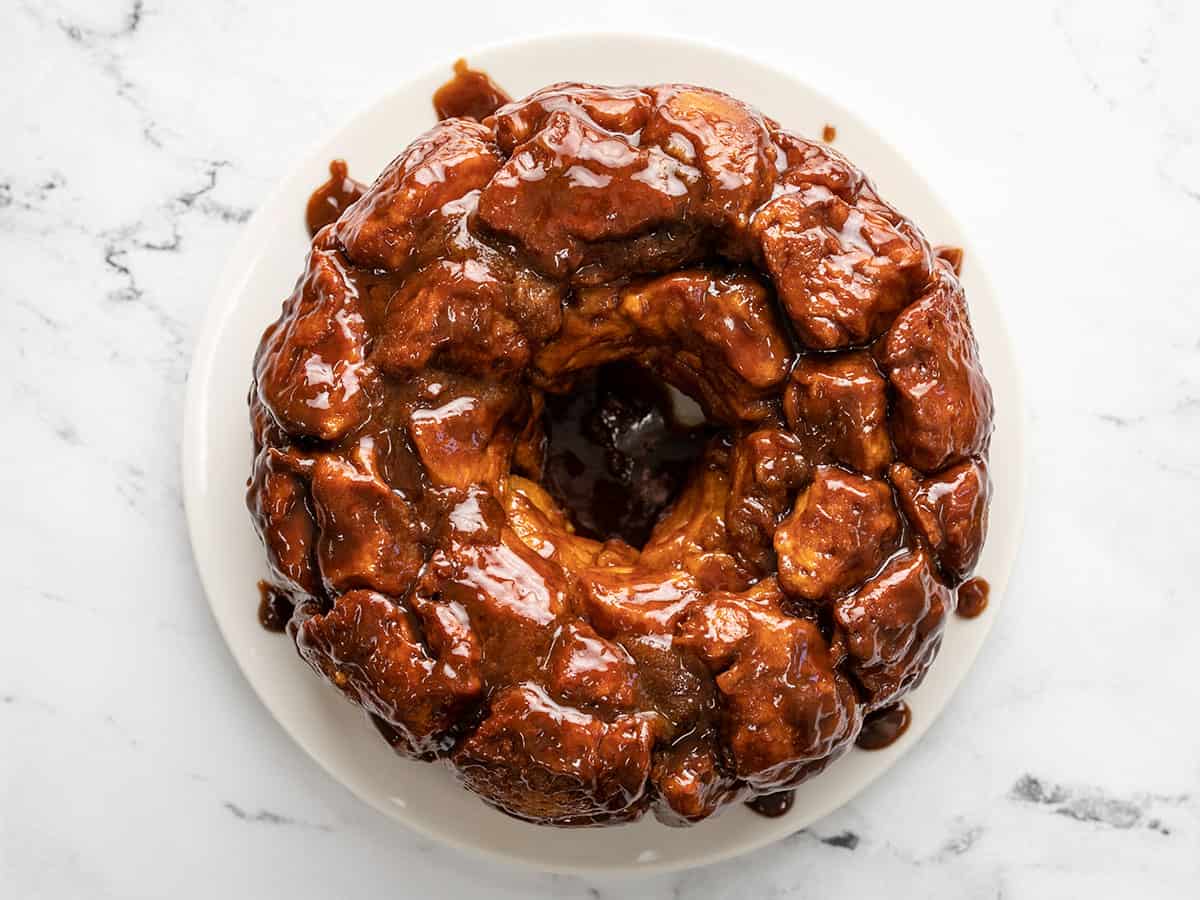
x: 893, y: 626
x: 949, y: 510
x: 838, y: 404
x: 943, y: 403
x: 841, y: 529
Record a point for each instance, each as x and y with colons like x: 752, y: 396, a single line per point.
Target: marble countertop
x: 138, y: 136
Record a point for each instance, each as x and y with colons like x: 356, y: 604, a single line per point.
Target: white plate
x: 217, y: 455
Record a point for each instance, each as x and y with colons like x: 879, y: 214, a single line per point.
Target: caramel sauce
x: 468, y: 95
x: 773, y: 805
x: 829, y: 134
x: 973, y: 597
x: 274, y: 609
x: 883, y: 727
x: 331, y: 199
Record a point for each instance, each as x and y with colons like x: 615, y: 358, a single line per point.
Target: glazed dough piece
x: 717, y: 339
x: 514, y: 599
x: 572, y: 184
x: 785, y: 705
x: 838, y: 404
x: 949, y: 510
x: 371, y: 649
x: 310, y: 369
x: 843, y: 270
x: 841, y: 529
x: 540, y: 760
x: 279, y: 503
x: 727, y: 140
x: 370, y: 535
x: 807, y: 163
x: 474, y: 311
x: 893, y: 627
x: 464, y: 430
x: 621, y: 601
x: 766, y: 467
x: 593, y: 140
x: 409, y: 209
x: 621, y: 110
x: 843, y: 261
x: 453, y: 313
x: 691, y: 783
x: 586, y: 669
x: 469, y: 95
x: 713, y: 336
x: 943, y: 407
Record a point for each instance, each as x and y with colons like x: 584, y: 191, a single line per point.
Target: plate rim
x: 241, y: 261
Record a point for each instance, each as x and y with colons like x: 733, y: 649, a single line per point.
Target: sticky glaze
x: 274, y: 609
x: 883, y: 727
x: 501, y: 545
x: 469, y: 94
x: 332, y: 198
x: 773, y: 805
x: 973, y: 597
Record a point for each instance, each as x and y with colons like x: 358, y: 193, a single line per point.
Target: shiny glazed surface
x: 800, y: 578
x: 973, y: 598
x: 883, y: 727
